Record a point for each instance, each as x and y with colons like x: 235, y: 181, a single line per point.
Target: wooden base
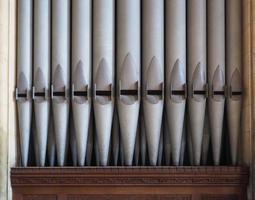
x: 130, y: 183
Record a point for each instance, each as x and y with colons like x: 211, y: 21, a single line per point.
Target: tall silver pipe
x: 234, y: 72
x: 41, y: 77
x: 60, y: 74
x: 103, y: 73
x: 196, y: 69
x: 175, y: 72
x: 128, y: 72
x: 153, y: 72
x: 216, y: 72
x: 24, y: 76
x: 81, y: 73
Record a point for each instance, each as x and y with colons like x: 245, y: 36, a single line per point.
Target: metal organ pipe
x: 103, y: 74
x: 234, y: 72
x: 153, y: 73
x: 81, y: 73
x: 128, y: 73
x: 24, y: 76
x: 41, y: 77
x: 196, y: 68
x: 175, y: 73
x: 60, y: 74
x: 216, y: 72
x: 202, y: 41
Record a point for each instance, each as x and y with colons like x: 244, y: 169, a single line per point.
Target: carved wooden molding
x: 129, y: 197
x: 130, y: 176
x: 130, y: 183
x: 219, y: 197
x: 39, y: 197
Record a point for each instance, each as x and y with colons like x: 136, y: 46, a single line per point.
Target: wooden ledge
x: 221, y: 182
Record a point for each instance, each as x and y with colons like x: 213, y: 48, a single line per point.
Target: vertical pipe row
x: 208, y: 34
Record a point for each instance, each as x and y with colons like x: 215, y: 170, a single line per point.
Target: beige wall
x: 7, y: 103
x: 8, y: 136
x: 4, y: 10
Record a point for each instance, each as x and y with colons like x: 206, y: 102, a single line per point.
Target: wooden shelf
x: 130, y: 183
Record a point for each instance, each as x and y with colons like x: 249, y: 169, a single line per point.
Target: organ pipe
x: 216, y: 73
x: 153, y: 73
x: 60, y: 74
x: 175, y: 72
x: 165, y: 52
x: 103, y: 74
x: 128, y: 72
x: 234, y: 72
x: 81, y: 73
x: 196, y: 69
x: 41, y: 79
x: 24, y: 76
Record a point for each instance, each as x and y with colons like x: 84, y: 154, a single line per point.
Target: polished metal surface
x: 129, y: 82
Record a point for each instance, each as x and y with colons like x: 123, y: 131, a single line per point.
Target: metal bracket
x: 22, y: 96
x: 59, y: 94
x: 204, y: 92
x: 108, y: 93
x: 182, y: 93
x: 39, y: 94
x: 84, y: 93
x: 218, y: 92
x: 135, y: 92
x: 234, y: 93
x: 155, y: 92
